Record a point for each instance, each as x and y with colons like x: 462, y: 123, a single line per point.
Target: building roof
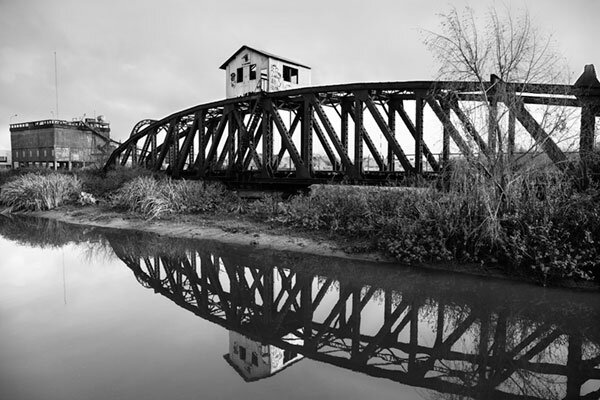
x: 264, y: 53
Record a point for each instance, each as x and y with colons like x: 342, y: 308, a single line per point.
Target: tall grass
x: 35, y: 191
x: 153, y: 198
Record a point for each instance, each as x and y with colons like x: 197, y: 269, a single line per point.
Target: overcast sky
x: 134, y: 59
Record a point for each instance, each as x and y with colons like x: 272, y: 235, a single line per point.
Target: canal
x: 90, y: 313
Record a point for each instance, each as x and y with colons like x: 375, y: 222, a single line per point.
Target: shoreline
x: 232, y: 231
x: 240, y: 231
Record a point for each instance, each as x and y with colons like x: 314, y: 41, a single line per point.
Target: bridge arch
x: 341, y: 126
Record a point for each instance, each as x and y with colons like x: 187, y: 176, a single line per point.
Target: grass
x: 155, y: 199
x: 37, y: 192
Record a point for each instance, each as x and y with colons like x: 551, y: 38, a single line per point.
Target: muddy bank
x: 222, y: 228
x: 234, y: 229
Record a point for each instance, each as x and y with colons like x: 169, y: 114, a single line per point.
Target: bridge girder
x: 234, y: 139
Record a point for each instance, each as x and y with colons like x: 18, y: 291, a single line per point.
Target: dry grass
x: 39, y: 192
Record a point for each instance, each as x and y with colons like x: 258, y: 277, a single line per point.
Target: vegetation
x: 34, y: 191
x: 546, y: 229
x: 154, y: 199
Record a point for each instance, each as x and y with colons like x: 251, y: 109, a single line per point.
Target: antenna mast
x: 56, y: 84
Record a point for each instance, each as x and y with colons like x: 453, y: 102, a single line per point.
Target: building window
x: 30, y: 153
x: 5, y: 159
x: 242, y: 353
x: 240, y: 75
x: 44, y: 152
x: 254, y: 359
x: 290, y: 74
x: 252, y: 72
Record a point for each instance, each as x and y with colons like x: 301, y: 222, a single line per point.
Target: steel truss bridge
x: 421, y: 331
x: 236, y: 139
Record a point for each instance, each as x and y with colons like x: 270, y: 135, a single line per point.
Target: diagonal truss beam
x: 468, y: 125
x: 399, y: 108
x: 287, y: 141
x: 385, y: 129
x: 333, y: 136
x: 444, y: 117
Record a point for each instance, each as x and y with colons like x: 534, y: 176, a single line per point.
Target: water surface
x: 98, y: 314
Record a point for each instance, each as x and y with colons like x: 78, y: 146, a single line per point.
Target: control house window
x: 290, y: 74
x: 242, y: 353
x: 240, y: 75
x: 252, y: 72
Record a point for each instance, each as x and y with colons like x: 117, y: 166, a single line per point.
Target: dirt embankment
x: 232, y: 228
x: 224, y: 228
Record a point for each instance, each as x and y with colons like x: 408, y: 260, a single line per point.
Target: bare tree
x: 504, y: 52
x: 510, y: 47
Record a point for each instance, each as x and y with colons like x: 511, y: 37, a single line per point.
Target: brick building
x: 60, y: 144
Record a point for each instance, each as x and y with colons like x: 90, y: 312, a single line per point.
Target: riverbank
x: 235, y: 229
x: 541, y: 230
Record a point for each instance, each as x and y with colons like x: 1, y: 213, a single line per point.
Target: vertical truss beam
x: 358, y: 137
x: 391, y: 161
x: 205, y: 129
x: 166, y: 144
x: 306, y: 140
x: 445, y: 137
x: 187, y: 144
x: 346, y: 109
x: 216, y: 139
x: 267, y: 142
x: 419, y: 130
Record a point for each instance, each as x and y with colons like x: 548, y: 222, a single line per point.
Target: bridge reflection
x: 456, y: 335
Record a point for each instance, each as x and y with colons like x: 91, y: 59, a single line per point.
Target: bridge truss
x: 453, y: 345
x: 248, y: 138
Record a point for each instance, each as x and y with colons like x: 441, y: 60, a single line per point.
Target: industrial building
x: 60, y: 144
x: 249, y: 70
x: 5, y: 159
